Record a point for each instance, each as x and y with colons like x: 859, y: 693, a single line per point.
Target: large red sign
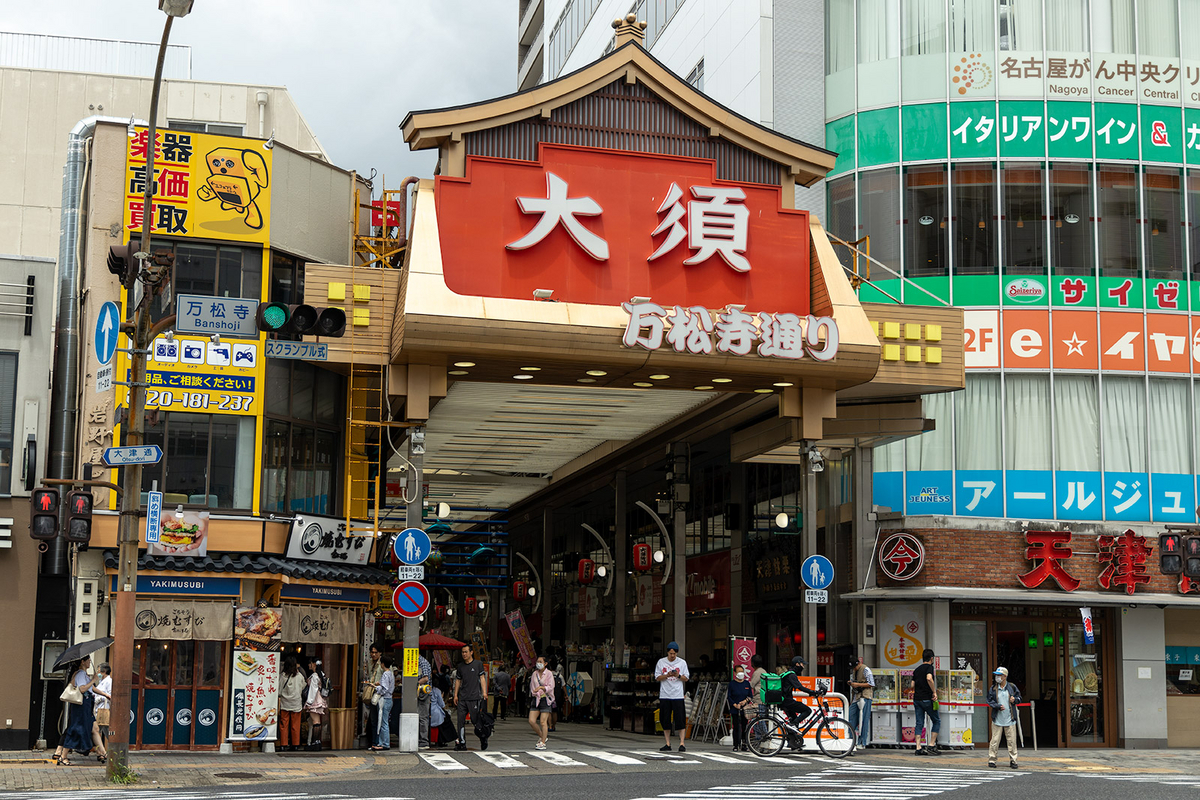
x: 708, y: 581
x: 603, y: 226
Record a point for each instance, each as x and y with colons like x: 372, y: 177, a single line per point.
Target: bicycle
x: 770, y: 730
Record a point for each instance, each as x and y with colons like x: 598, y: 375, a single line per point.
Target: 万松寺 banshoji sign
x: 691, y: 330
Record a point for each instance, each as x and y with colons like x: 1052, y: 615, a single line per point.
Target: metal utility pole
x: 409, y: 713
x: 141, y: 335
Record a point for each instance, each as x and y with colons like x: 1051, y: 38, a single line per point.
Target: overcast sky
x: 353, y: 67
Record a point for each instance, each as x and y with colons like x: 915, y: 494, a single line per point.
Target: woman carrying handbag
x: 78, y: 699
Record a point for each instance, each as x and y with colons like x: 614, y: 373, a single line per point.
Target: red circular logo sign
x: 901, y: 556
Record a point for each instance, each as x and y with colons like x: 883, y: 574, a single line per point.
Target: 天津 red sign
x: 603, y: 226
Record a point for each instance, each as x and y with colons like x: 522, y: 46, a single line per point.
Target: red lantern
x: 641, y: 557
x: 470, y: 604
x: 587, y: 570
x: 520, y: 591
x: 439, y: 613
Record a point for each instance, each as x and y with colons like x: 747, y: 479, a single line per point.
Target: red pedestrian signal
x: 1191, y: 556
x: 43, y: 513
x: 79, y: 517
x: 1170, y: 554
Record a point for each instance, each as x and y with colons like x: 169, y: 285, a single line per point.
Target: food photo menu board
x: 254, y: 700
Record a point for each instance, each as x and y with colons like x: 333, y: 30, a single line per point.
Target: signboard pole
x: 808, y: 547
x: 409, y: 713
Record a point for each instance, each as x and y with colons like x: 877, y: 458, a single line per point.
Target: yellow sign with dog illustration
x: 206, y: 186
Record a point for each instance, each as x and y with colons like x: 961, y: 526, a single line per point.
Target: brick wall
x: 994, y: 559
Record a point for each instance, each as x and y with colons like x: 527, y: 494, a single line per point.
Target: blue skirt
x: 79, y: 726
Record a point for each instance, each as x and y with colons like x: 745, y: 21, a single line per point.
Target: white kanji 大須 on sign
x: 717, y: 224
x: 557, y: 208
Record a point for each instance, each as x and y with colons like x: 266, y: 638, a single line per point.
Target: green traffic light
x: 275, y: 316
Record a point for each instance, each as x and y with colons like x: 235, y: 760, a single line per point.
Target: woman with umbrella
x: 80, y: 718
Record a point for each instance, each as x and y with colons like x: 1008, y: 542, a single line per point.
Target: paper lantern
x: 439, y: 613
x: 587, y: 570
x: 469, y: 605
x: 520, y: 591
x: 641, y: 557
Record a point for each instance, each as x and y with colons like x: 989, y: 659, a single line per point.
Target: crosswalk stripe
x: 612, y: 758
x: 501, y: 760
x: 556, y: 759
x: 442, y: 761
x: 1169, y: 780
x: 673, y: 758
x: 723, y: 758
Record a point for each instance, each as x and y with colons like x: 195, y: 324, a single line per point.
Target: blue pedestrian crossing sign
x: 108, y: 325
x: 817, y: 572
x: 412, y: 546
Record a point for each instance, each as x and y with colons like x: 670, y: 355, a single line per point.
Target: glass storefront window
x: 1190, y: 21
x: 1170, y: 424
x: 1112, y: 26
x: 977, y: 417
x: 974, y: 219
x: 1158, y: 28
x: 1077, y: 423
x: 932, y: 449
x: 878, y: 52
x: 925, y: 221
x: 1027, y: 422
x: 1120, y: 212
x: 1123, y: 425
x: 1071, y: 219
x: 1024, y: 218
x: 839, y: 58
x: 207, y: 459
x: 1163, y: 224
x: 1067, y: 26
x: 923, y: 49
x: 879, y: 215
x: 972, y: 26
x: 1193, y: 200
x: 1021, y: 25
x: 841, y: 215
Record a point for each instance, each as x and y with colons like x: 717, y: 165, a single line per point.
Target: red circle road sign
x: 410, y: 599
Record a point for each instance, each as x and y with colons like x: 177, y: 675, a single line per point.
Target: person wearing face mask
x: 541, y: 701
x: 1003, y: 697
x: 739, y: 699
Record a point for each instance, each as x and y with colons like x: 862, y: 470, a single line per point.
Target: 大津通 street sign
x: 304, y: 351
x: 153, y: 517
x: 108, y: 326
x: 411, y: 573
x: 142, y: 454
x: 819, y: 596
x: 228, y: 316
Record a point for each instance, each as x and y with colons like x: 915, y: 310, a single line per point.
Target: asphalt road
x: 858, y: 778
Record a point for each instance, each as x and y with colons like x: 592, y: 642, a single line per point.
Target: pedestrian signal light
x: 43, y: 517
x: 79, y: 517
x: 1191, y: 556
x: 1170, y: 554
x: 300, y: 319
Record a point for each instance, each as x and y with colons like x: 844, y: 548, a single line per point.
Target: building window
x: 839, y: 35
x: 216, y: 128
x: 932, y: 450
x: 1027, y: 423
x: 972, y: 26
x: 302, y: 435
x: 841, y: 215
x: 977, y: 419
x: 1024, y: 216
x: 208, y: 460
x: 1120, y: 208
x: 1077, y: 423
x: 1158, y: 28
x: 1193, y: 200
x: 878, y: 30
x: 879, y: 215
x: 1071, y: 219
x: 213, y: 271
x: 925, y: 242
x: 1112, y: 26
x: 696, y: 76
x: 1123, y: 425
x: 8, y: 419
x: 975, y: 219
x: 1067, y: 26
x: 1170, y: 426
x: 1163, y: 224
x: 1021, y: 25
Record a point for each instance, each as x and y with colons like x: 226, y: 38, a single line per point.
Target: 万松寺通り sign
x: 601, y: 227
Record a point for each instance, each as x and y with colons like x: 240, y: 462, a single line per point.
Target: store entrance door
x: 177, y: 694
x: 1082, y: 690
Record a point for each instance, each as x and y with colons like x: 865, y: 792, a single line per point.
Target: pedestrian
x: 521, y: 689
x: 756, y: 675
x: 291, y: 703
x: 439, y: 717
x: 80, y: 716
x: 671, y: 672
x: 500, y: 686
x: 561, y: 707
x: 862, y: 686
x: 470, y: 696
x: 925, y: 701
x: 103, y: 693
x: 383, y: 697
x: 1003, y: 697
x: 541, y: 701
x: 373, y: 676
x: 424, y: 696
x: 316, y: 703
x: 739, y: 699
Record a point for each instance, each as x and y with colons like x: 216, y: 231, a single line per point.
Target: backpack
x: 325, y: 686
x: 770, y: 689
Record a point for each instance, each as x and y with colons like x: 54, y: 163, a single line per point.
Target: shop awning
x: 288, y: 569
x: 964, y: 594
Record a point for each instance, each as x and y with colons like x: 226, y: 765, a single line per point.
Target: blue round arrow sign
x: 108, y: 324
x: 412, y: 546
x: 817, y: 572
x: 410, y: 599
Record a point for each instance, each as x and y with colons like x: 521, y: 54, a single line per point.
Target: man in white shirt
x: 672, y: 673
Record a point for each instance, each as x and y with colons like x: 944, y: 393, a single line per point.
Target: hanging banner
x: 254, y: 697
x: 744, y: 648
x: 319, y: 625
x: 183, y: 620
x: 258, y: 629
x: 520, y: 634
x: 1089, y: 633
x: 903, y: 629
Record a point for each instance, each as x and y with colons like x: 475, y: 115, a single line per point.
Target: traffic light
x: 79, y: 517
x: 301, y: 319
x: 1170, y: 554
x: 121, y: 261
x: 43, y: 513
x: 1191, y: 556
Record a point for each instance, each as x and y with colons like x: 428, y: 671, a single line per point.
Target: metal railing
x: 80, y: 54
x: 858, y: 277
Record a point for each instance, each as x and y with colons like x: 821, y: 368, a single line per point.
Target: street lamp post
x: 141, y: 335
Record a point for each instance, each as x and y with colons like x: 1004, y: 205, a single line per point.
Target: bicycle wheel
x: 835, y: 737
x: 765, y: 737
